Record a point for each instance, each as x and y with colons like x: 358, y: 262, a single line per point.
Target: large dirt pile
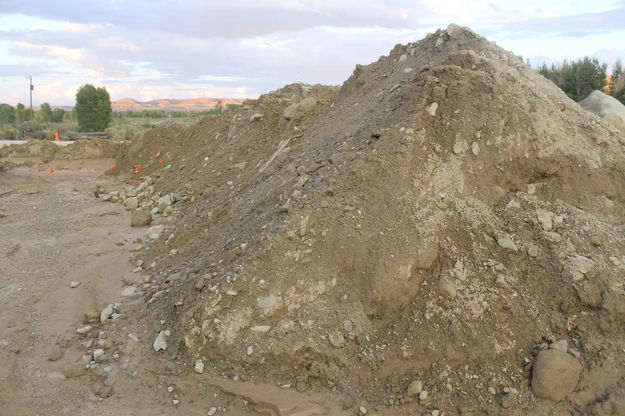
x: 412, y: 239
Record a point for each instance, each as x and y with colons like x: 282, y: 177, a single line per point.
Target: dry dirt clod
x: 555, y: 374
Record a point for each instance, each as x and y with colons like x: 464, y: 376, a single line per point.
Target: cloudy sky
x: 147, y: 49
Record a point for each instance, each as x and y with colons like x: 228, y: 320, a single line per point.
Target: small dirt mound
x: 442, y: 217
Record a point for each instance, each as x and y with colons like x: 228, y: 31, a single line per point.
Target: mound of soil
x: 411, y: 240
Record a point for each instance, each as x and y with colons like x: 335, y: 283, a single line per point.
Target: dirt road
x: 55, y: 234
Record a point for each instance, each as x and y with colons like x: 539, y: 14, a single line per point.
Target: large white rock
x: 606, y: 107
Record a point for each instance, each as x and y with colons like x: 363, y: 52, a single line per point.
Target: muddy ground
x: 55, y: 232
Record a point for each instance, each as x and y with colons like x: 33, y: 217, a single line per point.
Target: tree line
x: 579, y: 78
x: 19, y: 114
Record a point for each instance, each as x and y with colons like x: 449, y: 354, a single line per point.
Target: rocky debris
x: 140, y: 218
x: 555, y: 374
x: 74, y: 284
x: 160, y: 342
x: 606, y: 107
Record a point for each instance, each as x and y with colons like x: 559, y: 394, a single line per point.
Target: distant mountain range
x: 192, y: 104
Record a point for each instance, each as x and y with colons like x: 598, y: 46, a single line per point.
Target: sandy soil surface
x: 55, y: 232
x: 11, y: 142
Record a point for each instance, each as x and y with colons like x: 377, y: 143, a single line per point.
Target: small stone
x: 336, y: 338
x: 508, y: 400
x: 140, y: 218
x: 512, y: 205
x: 200, y: 284
x: 544, y: 218
x: 555, y: 374
x: 106, y: 313
x: 55, y: 354
x: 507, y: 243
x: 558, y: 220
x: 260, y: 328
x: 256, y: 117
x: 91, y: 317
x: 212, y: 411
x: 596, y: 241
x: 414, y: 388
x: 98, y: 355
x: 447, y: 286
x: 423, y: 395
x: 131, y: 203
x: 129, y: 291
x: 532, y: 251
x: 436, y: 412
x: 615, y: 261
x: 348, y: 325
x: 553, y: 237
x: 199, y: 367
x: 160, y: 342
x: 432, y: 109
x: 582, y: 264
x: 175, y: 402
x: 492, y: 391
x: 475, y: 148
x: 74, y: 284
x: 155, y: 231
x: 362, y: 410
x: 104, y: 391
x: 84, y: 330
x: 75, y: 369
x: 250, y: 350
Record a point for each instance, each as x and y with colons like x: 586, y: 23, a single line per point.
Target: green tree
x: 45, y: 112
x: 57, y: 115
x: 616, y: 88
x: 21, y: 113
x: 7, y: 114
x: 93, y: 108
x: 577, y: 79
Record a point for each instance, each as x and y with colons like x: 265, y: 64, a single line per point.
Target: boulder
x: 606, y: 107
x: 295, y: 111
x: 140, y: 218
x: 555, y: 374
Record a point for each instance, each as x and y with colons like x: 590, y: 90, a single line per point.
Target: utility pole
x: 30, y: 90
